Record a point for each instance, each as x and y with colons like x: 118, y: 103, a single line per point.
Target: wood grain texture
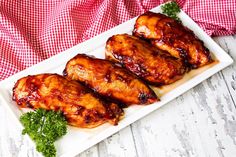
x: 199, y: 123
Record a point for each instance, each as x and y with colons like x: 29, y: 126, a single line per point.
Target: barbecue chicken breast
x: 109, y: 80
x: 170, y: 35
x: 54, y: 92
x: 146, y: 61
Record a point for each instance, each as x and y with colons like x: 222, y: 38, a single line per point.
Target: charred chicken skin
x: 146, y: 61
x: 54, y: 92
x: 170, y: 35
x: 109, y: 80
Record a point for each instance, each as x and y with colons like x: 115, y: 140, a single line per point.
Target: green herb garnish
x: 171, y: 9
x: 44, y: 128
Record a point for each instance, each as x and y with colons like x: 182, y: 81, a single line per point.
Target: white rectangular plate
x: 78, y: 140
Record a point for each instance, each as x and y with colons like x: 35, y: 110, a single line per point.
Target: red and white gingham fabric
x: 31, y: 31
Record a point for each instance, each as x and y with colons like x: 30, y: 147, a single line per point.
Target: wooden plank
x: 91, y: 152
x: 228, y: 43
x: 120, y: 144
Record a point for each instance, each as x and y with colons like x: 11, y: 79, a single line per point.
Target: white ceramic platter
x: 78, y: 140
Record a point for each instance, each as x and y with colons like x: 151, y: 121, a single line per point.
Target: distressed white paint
x: 200, y: 123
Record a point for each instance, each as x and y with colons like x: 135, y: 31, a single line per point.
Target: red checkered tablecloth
x: 31, y: 31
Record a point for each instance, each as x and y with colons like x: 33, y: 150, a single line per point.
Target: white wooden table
x: 199, y: 123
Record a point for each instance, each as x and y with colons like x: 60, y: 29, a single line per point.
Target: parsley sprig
x: 171, y: 9
x: 44, y: 128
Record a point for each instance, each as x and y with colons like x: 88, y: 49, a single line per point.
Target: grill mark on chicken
x: 141, y: 58
x: 81, y: 107
x: 109, y: 80
x: 170, y: 35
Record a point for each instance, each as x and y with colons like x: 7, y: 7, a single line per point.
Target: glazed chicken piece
x: 170, y: 35
x: 109, y: 80
x: 151, y: 64
x: 54, y: 92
